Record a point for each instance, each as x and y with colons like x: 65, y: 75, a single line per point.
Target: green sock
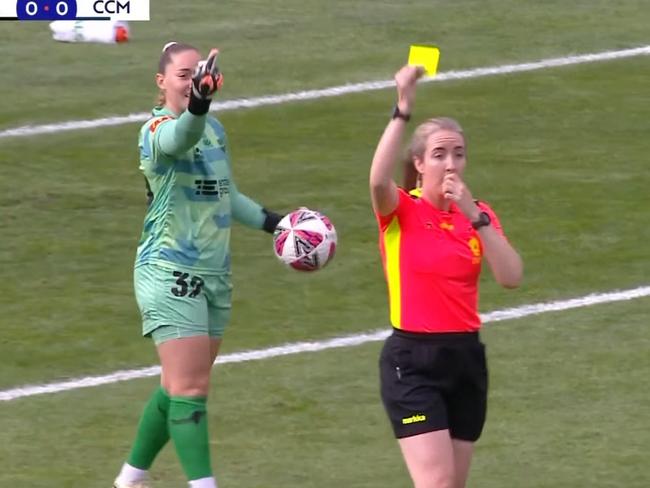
x: 152, y: 431
x: 188, y: 428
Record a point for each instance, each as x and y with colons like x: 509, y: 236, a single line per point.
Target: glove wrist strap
x: 271, y: 221
x: 198, y: 106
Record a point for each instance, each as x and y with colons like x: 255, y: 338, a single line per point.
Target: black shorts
x: 434, y: 382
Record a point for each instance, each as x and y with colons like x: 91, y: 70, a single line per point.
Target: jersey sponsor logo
x: 154, y: 125
x: 212, y: 188
x: 418, y: 417
x: 475, y: 247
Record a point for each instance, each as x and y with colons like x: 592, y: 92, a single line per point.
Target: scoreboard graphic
x: 50, y: 10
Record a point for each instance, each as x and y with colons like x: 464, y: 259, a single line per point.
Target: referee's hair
x: 418, y: 145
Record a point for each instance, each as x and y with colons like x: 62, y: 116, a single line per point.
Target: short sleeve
x: 404, y: 200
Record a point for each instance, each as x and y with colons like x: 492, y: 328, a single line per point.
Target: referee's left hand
x: 455, y: 190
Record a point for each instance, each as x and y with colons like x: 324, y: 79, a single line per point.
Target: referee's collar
x: 417, y: 193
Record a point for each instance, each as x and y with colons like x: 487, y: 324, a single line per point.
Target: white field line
x: 337, y: 342
x: 34, y: 130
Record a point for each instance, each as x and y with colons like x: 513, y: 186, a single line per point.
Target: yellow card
x: 426, y: 56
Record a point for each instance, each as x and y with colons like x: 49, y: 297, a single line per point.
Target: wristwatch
x: 400, y: 115
x: 482, y: 221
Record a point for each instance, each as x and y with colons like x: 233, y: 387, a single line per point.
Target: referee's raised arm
x: 383, y: 189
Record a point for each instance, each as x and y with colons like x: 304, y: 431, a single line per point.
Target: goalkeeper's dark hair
x: 168, y: 51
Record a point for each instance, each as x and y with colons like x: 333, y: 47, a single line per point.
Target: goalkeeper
x: 182, y: 273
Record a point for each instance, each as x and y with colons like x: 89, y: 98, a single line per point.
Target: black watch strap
x: 483, y: 220
x: 397, y: 114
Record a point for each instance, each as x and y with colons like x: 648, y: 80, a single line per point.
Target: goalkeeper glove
x: 271, y: 221
x: 206, y: 80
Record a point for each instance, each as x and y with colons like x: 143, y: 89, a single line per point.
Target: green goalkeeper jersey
x: 187, y: 167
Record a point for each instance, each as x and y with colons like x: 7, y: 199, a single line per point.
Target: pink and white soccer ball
x: 305, y: 240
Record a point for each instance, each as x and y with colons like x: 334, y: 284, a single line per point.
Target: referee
x: 433, y: 239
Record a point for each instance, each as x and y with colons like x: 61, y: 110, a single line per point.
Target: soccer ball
x: 305, y: 240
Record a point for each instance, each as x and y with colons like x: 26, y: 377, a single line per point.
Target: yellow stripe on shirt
x: 392, y: 237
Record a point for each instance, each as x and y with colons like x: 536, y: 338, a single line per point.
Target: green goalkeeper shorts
x: 177, y: 302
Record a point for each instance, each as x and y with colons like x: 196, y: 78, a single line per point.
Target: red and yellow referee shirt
x: 432, y: 262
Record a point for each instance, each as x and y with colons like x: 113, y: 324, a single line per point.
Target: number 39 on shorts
x: 189, y: 286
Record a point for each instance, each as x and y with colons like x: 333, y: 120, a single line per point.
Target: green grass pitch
x: 560, y: 154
